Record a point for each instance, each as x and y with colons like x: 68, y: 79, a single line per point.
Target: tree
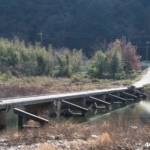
x: 128, y: 54
x: 131, y: 59
x: 63, y: 61
x: 97, y: 65
x: 114, y: 57
x: 76, y: 61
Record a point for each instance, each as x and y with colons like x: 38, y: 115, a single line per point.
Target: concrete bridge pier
x: 81, y: 102
x: 117, y: 94
x: 39, y: 108
x: 3, y: 119
x: 49, y: 109
x: 108, y: 107
x: 84, y: 102
x: 102, y: 97
x: 77, y: 101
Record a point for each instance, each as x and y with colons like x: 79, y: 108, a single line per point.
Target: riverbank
x: 28, y: 86
x: 127, y: 133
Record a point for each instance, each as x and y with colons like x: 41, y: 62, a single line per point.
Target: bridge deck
x: 23, y: 101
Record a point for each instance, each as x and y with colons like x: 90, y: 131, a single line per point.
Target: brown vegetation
x: 46, y: 146
x: 129, y: 54
x: 7, y: 90
x: 129, y: 133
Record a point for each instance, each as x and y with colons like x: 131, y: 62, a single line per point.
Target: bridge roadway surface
x: 23, y: 101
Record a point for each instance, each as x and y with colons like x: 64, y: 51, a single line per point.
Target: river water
x: 140, y: 110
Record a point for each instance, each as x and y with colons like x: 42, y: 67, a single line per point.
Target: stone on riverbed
x: 94, y: 136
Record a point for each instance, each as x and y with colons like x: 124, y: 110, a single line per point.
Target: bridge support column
x: 84, y: 102
x: 3, y: 119
x: 50, y: 107
x: 83, y: 113
x: 38, y: 108
x: 117, y: 94
x: 102, y: 97
x: 108, y: 107
x: 77, y: 101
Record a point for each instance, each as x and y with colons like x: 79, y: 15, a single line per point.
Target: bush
x: 120, y: 76
x: 97, y: 65
x: 63, y: 61
x: 76, y: 61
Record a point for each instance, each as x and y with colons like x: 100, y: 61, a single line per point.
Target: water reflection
x: 12, y: 119
x: 140, y: 111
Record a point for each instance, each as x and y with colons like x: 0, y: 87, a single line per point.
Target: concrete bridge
x: 105, y: 97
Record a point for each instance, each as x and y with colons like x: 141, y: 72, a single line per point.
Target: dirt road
x: 145, y: 78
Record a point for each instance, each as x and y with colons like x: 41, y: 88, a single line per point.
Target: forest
x: 88, y: 25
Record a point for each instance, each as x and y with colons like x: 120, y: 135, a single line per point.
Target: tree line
x: 76, y: 24
x: 18, y: 58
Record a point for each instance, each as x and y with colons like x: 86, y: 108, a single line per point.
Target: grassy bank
x: 12, y: 86
x: 22, y: 85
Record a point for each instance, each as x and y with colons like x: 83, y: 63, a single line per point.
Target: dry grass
x: 32, y: 123
x: 16, y: 135
x: 12, y: 86
x: 126, y: 132
x: 7, y: 90
x: 46, y: 146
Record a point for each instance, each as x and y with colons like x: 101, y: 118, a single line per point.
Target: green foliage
x: 97, y: 65
x: 63, y: 61
x: 114, y: 57
x: 17, y: 58
x: 68, y: 63
x: 76, y: 61
x: 120, y: 75
x: 103, y: 64
x: 78, y: 77
x: 147, y: 87
x: 133, y: 74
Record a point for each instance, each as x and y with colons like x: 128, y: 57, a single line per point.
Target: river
x: 141, y: 110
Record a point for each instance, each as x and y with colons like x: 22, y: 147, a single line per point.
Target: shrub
x: 76, y: 61
x: 63, y: 61
x: 120, y: 75
x: 97, y: 65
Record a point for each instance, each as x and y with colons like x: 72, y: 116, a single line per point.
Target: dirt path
x: 145, y: 78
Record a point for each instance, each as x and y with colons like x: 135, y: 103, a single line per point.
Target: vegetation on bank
x: 29, y: 86
x: 18, y: 59
x: 147, y: 87
x: 129, y: 132
x: 33, y: 70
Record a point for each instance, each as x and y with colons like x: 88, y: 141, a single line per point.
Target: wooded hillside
x: 77, y: 23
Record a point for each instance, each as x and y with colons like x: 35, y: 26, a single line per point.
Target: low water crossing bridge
x: 76, y: 100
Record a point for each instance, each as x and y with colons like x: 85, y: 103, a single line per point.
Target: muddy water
x: 141, y: 110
